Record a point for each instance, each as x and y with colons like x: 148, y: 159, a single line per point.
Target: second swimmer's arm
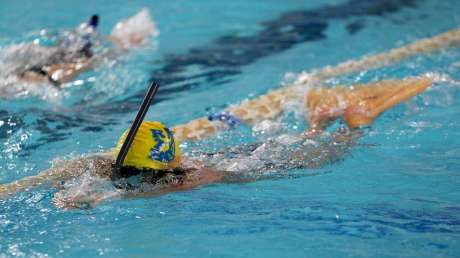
x: 65, y: 72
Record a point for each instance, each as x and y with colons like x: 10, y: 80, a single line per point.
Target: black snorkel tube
x: 152, y: 90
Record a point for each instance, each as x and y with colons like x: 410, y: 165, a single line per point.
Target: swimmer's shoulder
x: 102, y: 164
x: 106, y: 155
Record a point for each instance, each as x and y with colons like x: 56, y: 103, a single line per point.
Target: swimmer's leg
x: 324, y: 106
x: 368, y: 102
x: 362, y: 104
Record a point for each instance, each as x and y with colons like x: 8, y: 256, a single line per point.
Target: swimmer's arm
x: 320, y: 153
x: 58, y: 73
x: 329, y: 151
x: 203, y: 176
x: 314, y: 151
x: 84, y: 201
x: 66, y: 72
x: 324, y: 152
x: 67, y: 170
x: 48, y: 176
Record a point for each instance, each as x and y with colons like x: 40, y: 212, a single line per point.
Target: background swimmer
x: 154, y: 164
x: 75, y: 51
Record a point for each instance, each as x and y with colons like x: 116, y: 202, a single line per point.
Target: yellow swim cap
x: 153, y: 147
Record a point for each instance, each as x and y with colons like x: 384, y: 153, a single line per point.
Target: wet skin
x: 197, y: 173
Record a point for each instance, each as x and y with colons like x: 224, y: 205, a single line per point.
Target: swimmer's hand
x: 80, y: 200
x: 74, y: 202
x: 84, y: 192
x: 3, y: 191
x: 134, y: 30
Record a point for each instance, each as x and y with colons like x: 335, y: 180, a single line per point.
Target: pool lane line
x: 270, y: 105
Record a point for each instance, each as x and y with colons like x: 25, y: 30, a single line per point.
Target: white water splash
x: 12, y: 146
x: 272, y: 154
x: 441, y: 78
x: 84, y: 191
x: 267, y: 127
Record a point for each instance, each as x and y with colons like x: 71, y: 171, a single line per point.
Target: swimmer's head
x: 94, y: 21
x: 154, y: 147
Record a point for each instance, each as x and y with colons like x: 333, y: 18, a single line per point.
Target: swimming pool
x: 396, y: 194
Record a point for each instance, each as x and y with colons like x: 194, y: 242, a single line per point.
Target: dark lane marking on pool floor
x: 231, y: 52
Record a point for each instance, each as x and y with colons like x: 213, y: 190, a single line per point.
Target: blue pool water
x: 396, y: 194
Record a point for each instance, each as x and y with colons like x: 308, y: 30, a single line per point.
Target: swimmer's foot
x: 362, y: 104
x: 324, y: 106
x: 366, y: 103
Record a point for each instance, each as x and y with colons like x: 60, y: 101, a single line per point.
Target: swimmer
x: 75, y: 53
x: 154, y: 165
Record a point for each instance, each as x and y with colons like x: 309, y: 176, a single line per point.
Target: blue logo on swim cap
x: 156, y: 153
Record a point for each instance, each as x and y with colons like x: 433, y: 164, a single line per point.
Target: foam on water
x: 84, y: 191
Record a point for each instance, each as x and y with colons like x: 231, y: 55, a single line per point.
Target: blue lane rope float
x: 226, y: 118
